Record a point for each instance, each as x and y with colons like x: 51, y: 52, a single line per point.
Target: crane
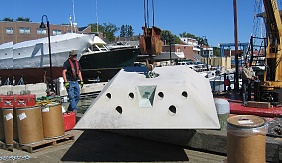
x: 150, y: 42
x: 271, y: 87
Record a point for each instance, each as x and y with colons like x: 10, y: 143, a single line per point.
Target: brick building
x: 186, y: 49
x: 20, y: 31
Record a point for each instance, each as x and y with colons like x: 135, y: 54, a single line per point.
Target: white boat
x: 6, y: 56
x: 30, y: 59
x: 35, y: 53
x: 217, y: 82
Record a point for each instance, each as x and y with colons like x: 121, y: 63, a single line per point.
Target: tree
x: 216, y: 51
x: 189, y: 35
x: 126, y: 31
x: 129, y: 31
x: 122, y: 31
x: 166, y: 35
x: 8, y: 19
x: 94, y: 28
x: 23, y: 19
x: 177, y: 40
x: 109, y: 30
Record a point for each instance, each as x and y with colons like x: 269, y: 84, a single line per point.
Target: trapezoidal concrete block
x: 178, y: 98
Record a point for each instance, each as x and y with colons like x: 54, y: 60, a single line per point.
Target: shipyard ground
x: 100, y: 146
x: 205, y: 146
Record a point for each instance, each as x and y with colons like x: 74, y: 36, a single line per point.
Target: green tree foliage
x: 189, y: 35
x: 177, y: 40
x: 129, y: 31
x: 18, y: 19
x: 167, y: 36
x: 94, y: 27
x: 107, y: 29
x: 126, y: 31
x: 122, y: 31
x: 216, y: 51
x: 23, y: 19
x: 8, y: 19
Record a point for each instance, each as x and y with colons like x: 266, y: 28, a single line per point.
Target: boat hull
x: 109, y: 59
x: 103, y: 65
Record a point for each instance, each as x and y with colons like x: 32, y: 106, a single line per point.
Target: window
x: 24, y: 30
x: 9, y: 30
x: 57, y: 32
x: 41, y: 31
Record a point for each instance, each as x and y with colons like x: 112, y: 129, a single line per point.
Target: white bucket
x: 223, y: 109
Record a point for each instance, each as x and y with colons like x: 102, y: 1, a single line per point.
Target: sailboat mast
x: 71, y: 25
x: 73, y: 11
x: 97, y: 15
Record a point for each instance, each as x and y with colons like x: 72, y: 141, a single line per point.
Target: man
x: 71, y: 75
x: 248, y: 76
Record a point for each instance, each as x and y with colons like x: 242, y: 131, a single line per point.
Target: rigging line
x: 145, y: 14
x: 148, y: 13
x: 97, y: 15
x: 153, y: 9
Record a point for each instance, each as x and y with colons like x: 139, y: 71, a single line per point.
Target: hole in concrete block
x: 161, y: 95
x: 131, y: 96
x: 108, y: 96
x: 119, y: 109
x: 146, y: 95
x: 172, y: 110
x: 184, y: 94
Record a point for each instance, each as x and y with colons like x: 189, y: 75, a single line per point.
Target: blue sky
x: 210, y: 18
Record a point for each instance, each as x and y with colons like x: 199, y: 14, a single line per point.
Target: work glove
x: 67, y: 85
x: 81, y: 84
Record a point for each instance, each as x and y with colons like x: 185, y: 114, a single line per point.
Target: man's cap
x: 72, y: 53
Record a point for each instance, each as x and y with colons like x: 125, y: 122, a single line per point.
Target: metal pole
x: 50, y: 57
x: 236, y: 81
x: 170, y: 52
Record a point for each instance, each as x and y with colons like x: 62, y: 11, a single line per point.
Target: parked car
x: 202, y: 65
x: 186, y: 63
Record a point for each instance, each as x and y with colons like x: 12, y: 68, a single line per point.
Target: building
x: 193, y: 43
x: 186, y: 49
x: 206, y: 51
x: 20, y: 31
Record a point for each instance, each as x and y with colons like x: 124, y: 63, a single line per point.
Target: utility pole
x: 236, y: 81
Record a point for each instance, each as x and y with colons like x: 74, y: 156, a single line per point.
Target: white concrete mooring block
x: 178, y: 98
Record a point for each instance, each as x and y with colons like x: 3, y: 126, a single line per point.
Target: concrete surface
x: 99, y: 146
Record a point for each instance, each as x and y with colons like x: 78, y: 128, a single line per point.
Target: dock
x: 102, y: 146
x: 205, y: 146
x: 39, y: 89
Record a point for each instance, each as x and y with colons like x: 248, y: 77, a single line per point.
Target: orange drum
x: 30, y: 128
x: 10, y: 125
x: 2, y: 135
x: 53, y: 123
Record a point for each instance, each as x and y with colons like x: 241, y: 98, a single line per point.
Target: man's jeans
x: 74, y: 95
x: 246, y: 86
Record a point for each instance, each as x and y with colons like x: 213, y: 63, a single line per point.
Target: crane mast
x: 271, y: 88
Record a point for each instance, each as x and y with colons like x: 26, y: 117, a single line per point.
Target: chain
x: 6, y: 158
